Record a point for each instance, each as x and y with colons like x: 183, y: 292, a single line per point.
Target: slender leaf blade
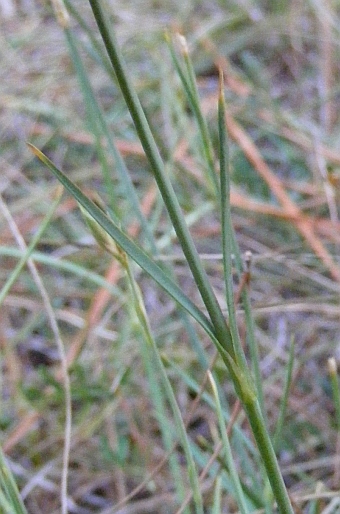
x: 134, y: 251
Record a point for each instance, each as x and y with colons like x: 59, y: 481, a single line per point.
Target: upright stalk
x: 163, y: 182
x: 266, y: 449
x: 250, y: 401
x: 227, y: 343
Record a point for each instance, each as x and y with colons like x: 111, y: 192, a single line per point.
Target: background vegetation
x: 280, y: 61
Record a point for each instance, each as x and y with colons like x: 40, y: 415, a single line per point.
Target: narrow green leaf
x: 229, y: 245
x: 100, y: 129
x: 216, y: 508
x: 154, y: 356
x: 238, y: 492
x: 20, y: 265
x: 11, y: 495
x: 164, y: 184
x: 136, y: 253
x: 189, y: 83
x: 226, y: 225
x: 284, y: 399
x: 63, y: 264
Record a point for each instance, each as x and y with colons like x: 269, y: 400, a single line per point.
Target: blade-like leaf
x: 136, y: 253
x: 163, y: 182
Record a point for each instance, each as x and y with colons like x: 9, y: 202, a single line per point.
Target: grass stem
x: 163, y: 181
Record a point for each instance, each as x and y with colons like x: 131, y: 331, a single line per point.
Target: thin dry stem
x: 55, y: 329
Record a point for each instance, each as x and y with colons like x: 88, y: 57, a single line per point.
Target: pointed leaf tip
x: 36, y: 151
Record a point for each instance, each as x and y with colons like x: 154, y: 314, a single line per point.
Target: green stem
x: 266, y: 449
x: 226, y: 224
x: 163, y: 182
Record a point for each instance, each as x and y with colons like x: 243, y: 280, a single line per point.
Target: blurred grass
x: 283, y: 93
